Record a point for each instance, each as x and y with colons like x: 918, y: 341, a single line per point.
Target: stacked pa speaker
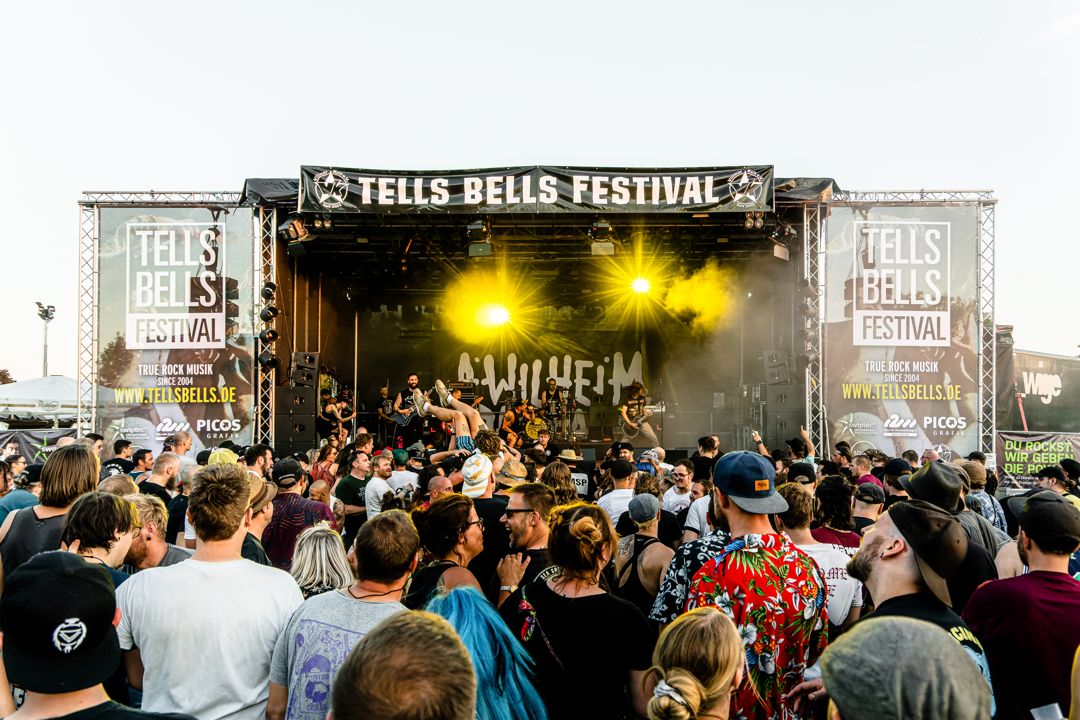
x: 297, y: 405
x: 785, y: 400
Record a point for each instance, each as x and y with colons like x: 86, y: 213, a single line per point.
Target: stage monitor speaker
x: 781, y: 427
x: 297, y: 401
x: 784, y: 399
x: 780, y: 375
x: 294, y: 433
x: 305, y: 369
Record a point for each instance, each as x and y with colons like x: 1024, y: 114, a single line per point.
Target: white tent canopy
x: 48, y: 398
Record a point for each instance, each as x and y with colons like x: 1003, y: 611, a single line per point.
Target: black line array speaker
x: 784, y: 399
x: 297, y: 401
x: 777, y: 367
x: 294, y: 433
x: 305, y: 369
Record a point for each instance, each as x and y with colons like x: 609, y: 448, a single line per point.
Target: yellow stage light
x: 493, y: 316
x: 640, y: 285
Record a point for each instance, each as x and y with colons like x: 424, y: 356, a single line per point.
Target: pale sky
x: 201, y: 95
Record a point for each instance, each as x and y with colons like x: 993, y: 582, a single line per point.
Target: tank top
x: 425, y: 583
x: 28, y: 536
x: 633, y: 591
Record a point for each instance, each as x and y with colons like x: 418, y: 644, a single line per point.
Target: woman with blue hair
x: 504, y: 689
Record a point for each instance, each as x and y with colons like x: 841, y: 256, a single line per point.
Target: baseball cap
x: 620, y: 469
x: 801, y: 472
x: 891, y: 667
x: 643, y: 508
x: 650, y: 454
x: 511, y: 473
x: 869, y: 493
x: 618, y: 447
x: 936, y: 537
x: 286, y: 473
x: 203, y: 457
x: 57, y: 612
x: 975, y: 471
x: 1046, y: 516
x: 477, y: 472
x: 262, y: 493
x: 897, y: 467
x: 222, y: 456
x: 936, y: 482
x: 749, y: 479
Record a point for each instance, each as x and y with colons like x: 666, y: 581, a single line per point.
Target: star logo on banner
x: 331, y: 188
x: 746, y: 188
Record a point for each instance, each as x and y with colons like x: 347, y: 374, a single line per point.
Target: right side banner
x: 900, y: 342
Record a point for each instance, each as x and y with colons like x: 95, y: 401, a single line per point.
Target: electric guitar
x: 632, y: 428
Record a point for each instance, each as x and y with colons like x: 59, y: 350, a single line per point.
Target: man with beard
x: 525, y: 520
x: 149, y: 548
x: 404, y: 404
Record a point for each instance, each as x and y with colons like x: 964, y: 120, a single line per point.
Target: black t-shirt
x: 115, y: 711
x: 891, y: 500
x: 146, y: 487
x: 862, y: 523
x: 670, y: 530
x: 976, y: 568
x: 703, y: 467
x: 598, y: 639
x: 539, y: 567
x: 253, y: 550
x: 496, y: 540
x: 177, y: 508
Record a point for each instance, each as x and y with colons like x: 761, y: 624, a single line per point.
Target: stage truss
x: 265, y: 220
x: 985, y: 202
x: 814, y: 274
x: 89, y: 242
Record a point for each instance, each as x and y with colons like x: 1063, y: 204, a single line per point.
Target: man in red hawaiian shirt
x: 773, y: 591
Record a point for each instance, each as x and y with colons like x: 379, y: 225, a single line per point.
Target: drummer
x: 551, y: 399
x: 543, y: 442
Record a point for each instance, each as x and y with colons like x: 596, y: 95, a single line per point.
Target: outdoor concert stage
x: 741, y: 301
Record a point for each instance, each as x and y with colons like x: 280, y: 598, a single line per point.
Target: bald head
x: 439, y: 485
x: 319, y: 491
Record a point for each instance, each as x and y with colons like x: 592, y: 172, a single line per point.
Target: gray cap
x: 643, y: 508
x: 898, y: 667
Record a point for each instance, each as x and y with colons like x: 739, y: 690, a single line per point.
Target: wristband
x: 508, y: 588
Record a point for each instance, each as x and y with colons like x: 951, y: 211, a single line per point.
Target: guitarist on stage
x: 635, y: 415
x: 409, y: 430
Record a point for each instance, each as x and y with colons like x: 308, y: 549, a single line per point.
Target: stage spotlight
x: 268, y: 290
x: 492, y: 316
x: 268, y: 335
x: 268, y: 313
x: 293, y: 229
x: 479, y: 234
x: 268, y: 361
x: 295, y: 248
x: 480, y: 248
x: 748, y: 223
x: 640, y: 285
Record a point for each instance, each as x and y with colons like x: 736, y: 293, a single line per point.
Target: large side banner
x: 175, y: 319
x: 900, y: 342
x: 1022, y: 454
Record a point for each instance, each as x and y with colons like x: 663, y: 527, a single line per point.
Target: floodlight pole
x: 46, y: 313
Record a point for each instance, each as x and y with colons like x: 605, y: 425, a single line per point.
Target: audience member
x: 453, y: 534
x: 261, y: 502
x: 149, y: 548
x: 411, y: 666
x: 320, y: 564
x: 166, y: 469
x: 292, y: 513
x: 99, y: 529
x: 869, y: 501
x: 323, y: 630
x: 835, y: 523
x: 526, y: 522
x: 640, y: 558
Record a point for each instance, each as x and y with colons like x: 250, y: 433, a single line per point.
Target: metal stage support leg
x: 265, y: 221
x: 813, y: 262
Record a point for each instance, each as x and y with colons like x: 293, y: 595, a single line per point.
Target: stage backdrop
x: 175, y: 319
x: 900, y: 342
x: 1022, y: 454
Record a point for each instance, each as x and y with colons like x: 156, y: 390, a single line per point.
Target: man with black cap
x: 774, y: 591
x: 292, y: 514
x: 940, y: 484
x: 867, y: 506
x: 895, y: 470
x: 905, y: 561
x: 1031, y: 623
x: 59, y: 617
x: 640, y: 558
x: 624, y: 477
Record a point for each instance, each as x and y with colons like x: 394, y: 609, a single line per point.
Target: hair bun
x: 586, y: 531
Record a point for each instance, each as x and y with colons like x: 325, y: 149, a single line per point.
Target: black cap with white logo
x: 57, y: 613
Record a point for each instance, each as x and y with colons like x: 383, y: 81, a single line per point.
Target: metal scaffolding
x: 265, y: 228
x: 814, y: 274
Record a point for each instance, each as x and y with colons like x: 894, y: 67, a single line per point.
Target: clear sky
x: 199, y: 95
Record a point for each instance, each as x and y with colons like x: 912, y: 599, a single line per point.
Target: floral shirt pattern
x: 776, y: 595
x: 690, y: 557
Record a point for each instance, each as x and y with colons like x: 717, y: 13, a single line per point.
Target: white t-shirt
x: 373, y: 495
x: 698, y: 517
x: 401, y: 478
x: 675, y: 501
x: 206, y: 632
x: 845, y: 592
x: 615, y: 503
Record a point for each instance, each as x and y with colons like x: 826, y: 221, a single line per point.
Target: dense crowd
x: 483, y: 581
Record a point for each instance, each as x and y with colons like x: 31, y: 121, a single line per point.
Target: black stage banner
x: 538, y: 189
x: 35, y: 445
x: 1022, y: 454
